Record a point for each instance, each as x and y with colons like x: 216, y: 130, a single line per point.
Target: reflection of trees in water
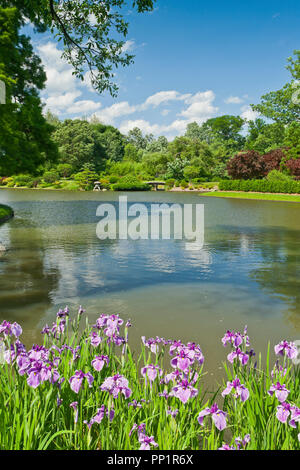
x: 278, y: 262
x: 25, y: 286
x: 281, y: 271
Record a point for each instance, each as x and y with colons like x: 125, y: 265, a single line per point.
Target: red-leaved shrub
x: 273, y: 159
x: 247, y: 165
x: 294, y: 166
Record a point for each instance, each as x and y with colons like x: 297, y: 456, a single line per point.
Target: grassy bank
x: 258, y: 196
x: 5, y: 213
x: 88, y: 391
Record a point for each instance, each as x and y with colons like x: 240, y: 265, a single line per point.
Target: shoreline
x: 6, y: 213
x: 249, y: 195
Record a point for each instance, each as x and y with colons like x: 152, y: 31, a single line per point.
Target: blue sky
x: 194, y: 60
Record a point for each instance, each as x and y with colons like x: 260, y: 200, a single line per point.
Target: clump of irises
x: 83, y: 388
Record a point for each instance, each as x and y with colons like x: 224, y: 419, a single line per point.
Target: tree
x: 136, y: 138
x: 226, y: 127
x: 191, y: 172
x: 89, y: 32
x: 79, y: 144
x: 155, y: 164
x: 131, y: 153
x: 159, y: 145
x: 292, y: 140
x: 25, y: 135
x: 246, y: 165
x: 283, y: 105
x: 111, y: 140
x: 264, y: 137
x: 196, y: 132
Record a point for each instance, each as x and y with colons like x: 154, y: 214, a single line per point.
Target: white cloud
x: 108, y: 115
x: 200, y: 109
x: 248, y: 113
x: 129, y: 46
x: 201, y: 106
x: 145, y: 126
x: 163, y: 97
x: 84, y: 106
x: 58, y: 104
x: 234, y: 100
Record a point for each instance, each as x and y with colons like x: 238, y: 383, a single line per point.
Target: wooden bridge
x: 156, y: 185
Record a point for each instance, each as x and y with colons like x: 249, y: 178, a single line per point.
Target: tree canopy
x: 284, y: 105
x: 92, y: 33
x: 25, y: 135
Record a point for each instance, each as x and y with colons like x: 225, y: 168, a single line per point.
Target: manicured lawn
x: 259, y: 196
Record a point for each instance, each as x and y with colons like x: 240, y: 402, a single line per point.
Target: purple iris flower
x: 58, y: 401
x: 24, y: 363
x: 151, y: 372
x: 10, y: 329
x: 239, y: 355
x: 38, y: 373
x: 218, y: 416
x: 99, y: 361
x: 174, y: 346
x: 139, y: 428
x: 176, y: 376
x: 172, y: 413
x: 76, y: 380
x: 80, y: 310
x: 115, y: 385
x: 152, y: 344
x: 240, y: 390
x: 242, y: 442
x: 182, y: 361
x: 101, y: 412
x: 236, y: 339
x: 283, y: 412
x: 284, y: 348
x: 135, y: 404
x: 95, y: 339
x: 295, y: 416
x: 239, y: 443
x: 184, y: 391
x: 195, y: 352
x: 74, y: 405
x: 278, y: 370
x: 146, y: 442
x: 46, y: 330
x: 281, y: 392
x: 63, y: 313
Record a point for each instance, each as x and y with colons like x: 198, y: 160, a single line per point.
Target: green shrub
x: 64, y: 170
x: 23, y: 180
x: 170, y: 182
x: 70, y: 185
x: 276, y: 175
x: 6, y: 181
x: 50, y: 176
x: 86, y: 179
x: 184, y: 184
x: 130, y: 183
x: 261, y: 186
x: 114, y: 179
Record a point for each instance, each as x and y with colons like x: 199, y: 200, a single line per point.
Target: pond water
x: 248, y: 272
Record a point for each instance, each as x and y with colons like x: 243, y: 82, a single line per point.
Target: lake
x: 248, y: 272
